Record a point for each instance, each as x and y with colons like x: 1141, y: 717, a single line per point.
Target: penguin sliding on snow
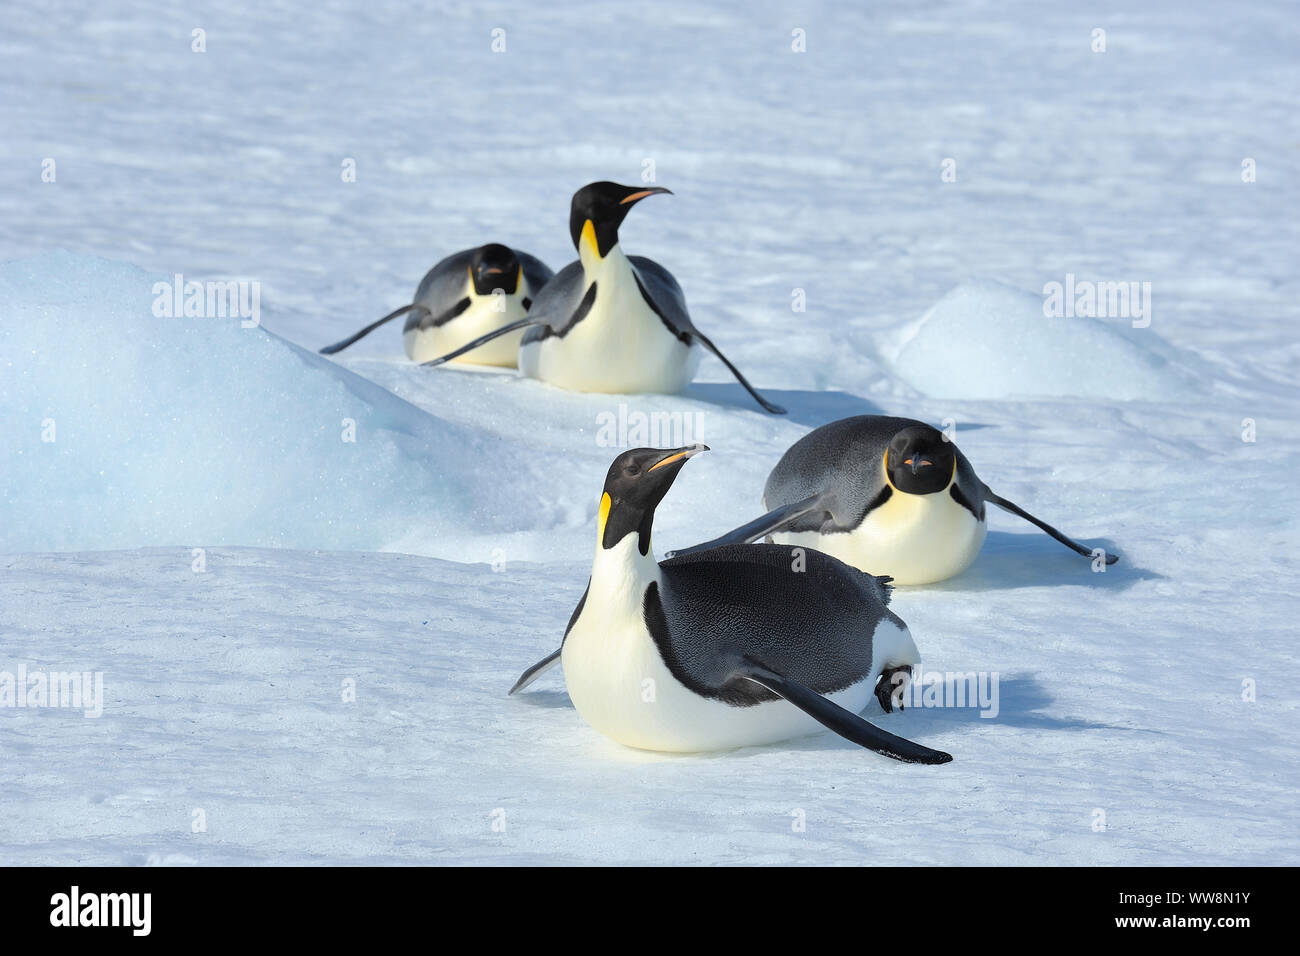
x: 610, y: 322
x: 886, y: 495
x: 464, y: 297
x: 742, y: 645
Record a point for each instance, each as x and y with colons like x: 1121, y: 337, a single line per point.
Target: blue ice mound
x: 986, y: 340
x: 126, y: 429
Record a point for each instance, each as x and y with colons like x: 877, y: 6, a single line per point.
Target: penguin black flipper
x: 550, y: 660
x: 769, y: 406
x: 834, y: 717
x: 442, y: 286
x: 1015, y: 509
x: 340, y: 346
x: 770, y: 523
x: 662, y: 293
x: 561, y: 304
x: 536, y: 671
x: 483, y: 339
x: 664, y: 296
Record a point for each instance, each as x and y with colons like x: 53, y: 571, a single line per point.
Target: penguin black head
x: 636, y: 483
x: 495, y: 266
x: 604, y: 205
x: 919, y: 461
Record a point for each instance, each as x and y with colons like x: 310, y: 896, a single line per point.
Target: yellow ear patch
x: 588, y: 238
x: 603, y: 515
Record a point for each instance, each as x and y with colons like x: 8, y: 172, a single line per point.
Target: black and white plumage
x: 886, y: 495
x: 610, y: 322
x: 736, y: 646
x: 466, y: 296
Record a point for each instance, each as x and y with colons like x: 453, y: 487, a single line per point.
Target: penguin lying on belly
x: 610, y: 322
x: 742, y: 645
x: 886, y: 495
x: 463, y: 298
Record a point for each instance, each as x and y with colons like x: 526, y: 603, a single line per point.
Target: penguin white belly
x: 620, y: 346
x: 916, y: 539
x: 620, y: 685
x: 479, y: 319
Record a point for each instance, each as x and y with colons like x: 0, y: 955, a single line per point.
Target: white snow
x: 986, y: 340
x: 442, y: 552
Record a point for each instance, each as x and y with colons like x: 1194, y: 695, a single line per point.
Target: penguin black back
x: 770, y: 604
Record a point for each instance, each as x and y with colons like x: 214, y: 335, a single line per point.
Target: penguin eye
x: 632, y: 470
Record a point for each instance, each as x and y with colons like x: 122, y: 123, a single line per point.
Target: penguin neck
x: 621, y: 574
x: 598, y: 268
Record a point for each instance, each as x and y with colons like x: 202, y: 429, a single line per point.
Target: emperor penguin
x: 737, y: 646
x: 464, y: 297
x: 886, y: 495
x: 610, y: 322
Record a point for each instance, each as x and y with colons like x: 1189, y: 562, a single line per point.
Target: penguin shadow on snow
x: 1012, y: 560
x: 1022, y: 700
x: 546, y: 699
x: 802, y: 407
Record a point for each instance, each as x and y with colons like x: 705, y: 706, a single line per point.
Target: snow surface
x: 441, y: 552
x: 987, y: 340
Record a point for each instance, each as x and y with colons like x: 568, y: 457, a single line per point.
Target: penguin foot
x: 889, y: 689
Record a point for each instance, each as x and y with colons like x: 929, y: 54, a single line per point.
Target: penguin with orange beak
x: 734, y: 647
x: 886, y: 495
x: 610, y: 322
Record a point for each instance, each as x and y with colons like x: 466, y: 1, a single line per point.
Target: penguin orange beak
x: 679, y: 454
x: 642, y: 194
